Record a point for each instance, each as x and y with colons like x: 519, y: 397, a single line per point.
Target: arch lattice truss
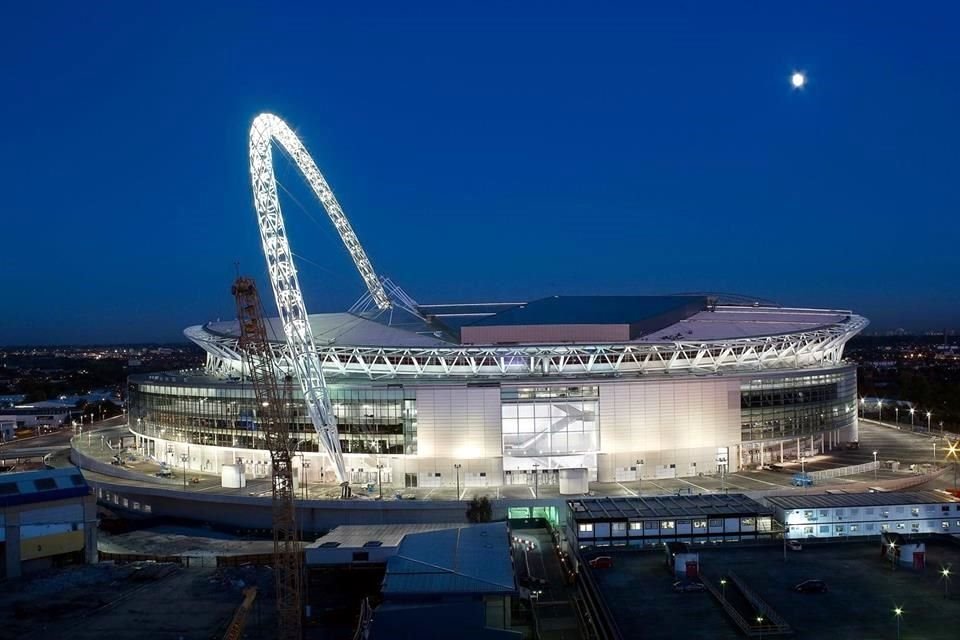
x: 300, y: 350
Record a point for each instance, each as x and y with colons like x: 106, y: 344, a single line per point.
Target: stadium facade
x: 504, y: 393
x: 684, y: 384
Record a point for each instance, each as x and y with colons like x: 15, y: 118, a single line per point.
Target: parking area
x: 863, y: 592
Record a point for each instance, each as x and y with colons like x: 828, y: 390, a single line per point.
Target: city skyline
x: 482, y: 159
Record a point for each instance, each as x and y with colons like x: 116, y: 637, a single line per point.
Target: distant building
x: 46, y: 518
x: 363, y: 544
x: 45, y: 414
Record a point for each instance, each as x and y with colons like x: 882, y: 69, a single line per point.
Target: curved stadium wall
x: 503, y: 430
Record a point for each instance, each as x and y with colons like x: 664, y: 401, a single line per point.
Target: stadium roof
x: 592, y: 310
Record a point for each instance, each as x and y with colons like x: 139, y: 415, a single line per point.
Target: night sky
x: 483, y: 151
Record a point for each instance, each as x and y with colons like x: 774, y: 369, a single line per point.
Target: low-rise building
x: 840, y: 515
x: 46, y: 517
x: 651, y: 521
x: 367, y: 544
x: 453, y: 582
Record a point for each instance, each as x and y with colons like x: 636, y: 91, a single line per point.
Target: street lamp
x: 380, y: 480
x: 953, y: 451
x: 863, y: 407
x: 945, y: 572
x: 723, y: 586
x: 183, y: 458
x: 536, y: 480
x: 639, y: 476
x: 760, y: 626
x: 928, y: 421
x: 880, y: 411
x: 306, y: 487
x: 803, y: 459
x: 893, y: 556
x: 456, y: 470
x: 898, y: 612
x: 912, y: 412
x: 896, y: 412
x: 875, y: 465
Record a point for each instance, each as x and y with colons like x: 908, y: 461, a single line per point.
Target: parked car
x: 687, y: 586
x: 811, y: 586
x: 802, y: 480
x: 602, y: 562
x: 794, y: 545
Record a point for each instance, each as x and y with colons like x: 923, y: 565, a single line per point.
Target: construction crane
x: 239, y: 621
x: 274, y: 402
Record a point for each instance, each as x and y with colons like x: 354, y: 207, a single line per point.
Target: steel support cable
x: 265, y: 129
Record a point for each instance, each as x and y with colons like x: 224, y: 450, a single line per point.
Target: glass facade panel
x: 369, y: 420
x: 540, y: 421
x: 787, y: 407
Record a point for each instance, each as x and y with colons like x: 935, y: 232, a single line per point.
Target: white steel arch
x: 302, y: 351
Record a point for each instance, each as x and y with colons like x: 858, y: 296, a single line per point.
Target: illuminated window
x: 699, y: 524
x: 586, y: 528
x: 915, y: 511
x: 619, y: 527
x: 668, y: 524
x: 945, y: 524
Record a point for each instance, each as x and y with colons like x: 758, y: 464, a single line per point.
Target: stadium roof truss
x: 818, y: 347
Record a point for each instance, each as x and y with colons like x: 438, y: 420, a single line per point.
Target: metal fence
x: 844, y: 471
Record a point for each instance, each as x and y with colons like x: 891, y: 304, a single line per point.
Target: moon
x: 798, y: 80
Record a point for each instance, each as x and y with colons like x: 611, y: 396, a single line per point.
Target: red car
x: 602, y: 562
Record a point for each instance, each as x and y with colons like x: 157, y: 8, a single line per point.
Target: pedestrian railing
x: 844, y: 471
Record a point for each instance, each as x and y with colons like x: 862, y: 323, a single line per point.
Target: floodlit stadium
x: 613, y: 388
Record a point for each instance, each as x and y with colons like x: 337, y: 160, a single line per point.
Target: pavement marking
x: 772, y: 484
x: 630, y: 491
x: 462, y: 493
x: 694, y: 485
x: 429, y: 493
x: 532, y: 493
x: 661, y: 487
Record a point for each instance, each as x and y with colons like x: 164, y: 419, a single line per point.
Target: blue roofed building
x: 46, y: 517
x: 460, y: 578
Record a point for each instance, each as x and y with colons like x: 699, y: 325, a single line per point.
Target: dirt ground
x: 146, y: 601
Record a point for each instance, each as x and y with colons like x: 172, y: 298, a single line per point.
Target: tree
x: 479, y: 509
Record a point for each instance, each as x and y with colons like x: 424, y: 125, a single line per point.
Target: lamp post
x: 760, y: 626
x: 953, y: 451
x: 893, y: 556
x: 183, y: 458
x: 945, y: 572
x: 928, y: 421
x: 912, y: 412
x: 456, y: 470
x: 875, y: 465
x: 896, y: 413
x: 306, y: 486
x: 723, y: 587
x: 880, y: 411
x: 898, y: 612
x: 536, y: 480
x: 380, y: 480
x: 863, y: 407
x: 639, y: 476
x: 934, y: 452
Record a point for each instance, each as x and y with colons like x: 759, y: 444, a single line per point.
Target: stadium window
x: 699, y: 524
x: 618, y: 527
x: 636, y: 526
x: 668, y: 524
x: 748, y: 522
x: 585, y: 527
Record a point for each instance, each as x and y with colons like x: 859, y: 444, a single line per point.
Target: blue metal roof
x: 593, y: 310
x: 472, y: 559
x: 41, y: 486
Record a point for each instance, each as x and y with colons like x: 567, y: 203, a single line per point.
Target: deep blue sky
x: 482, y: 151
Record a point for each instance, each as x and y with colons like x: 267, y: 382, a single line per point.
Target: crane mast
x: 274, y: 404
